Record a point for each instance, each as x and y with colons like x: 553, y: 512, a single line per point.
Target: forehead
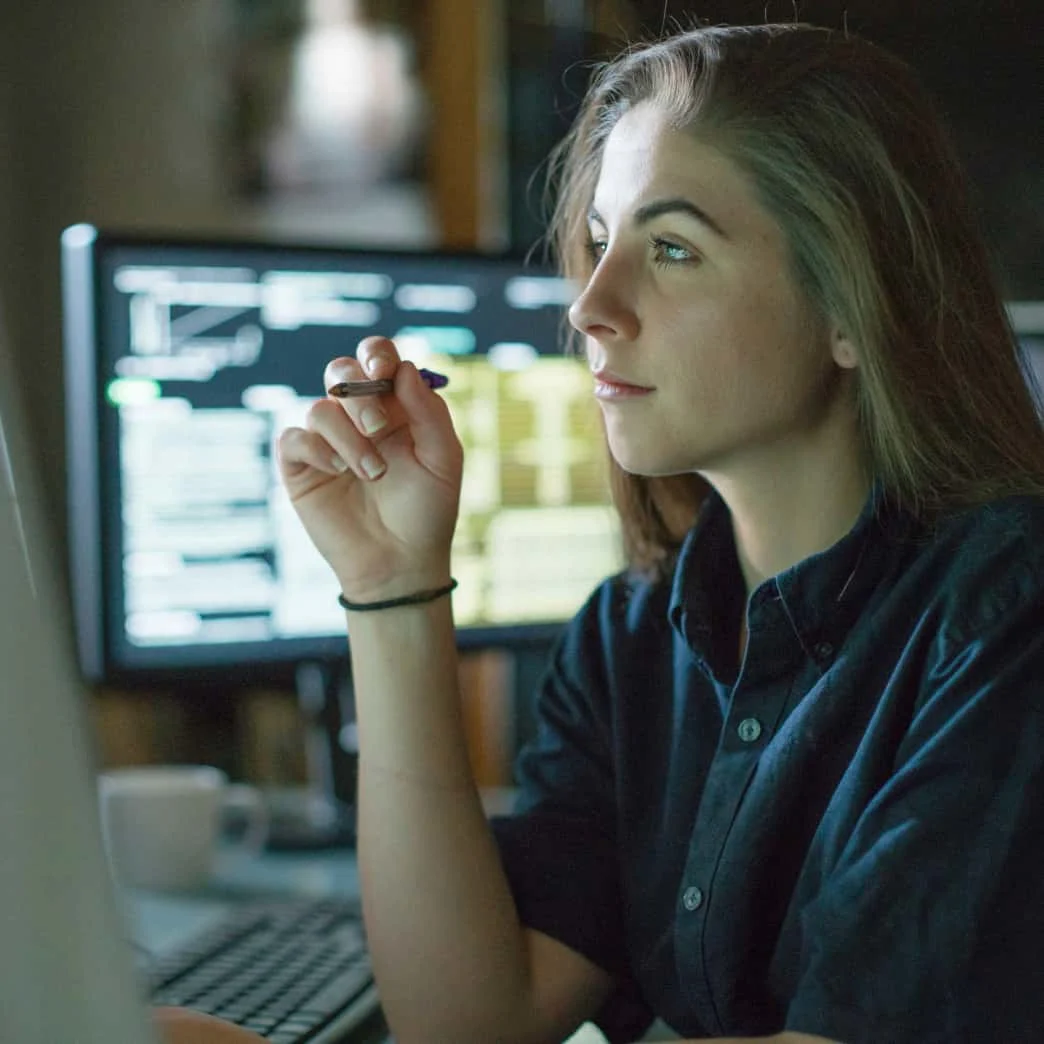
x: 646, y: 158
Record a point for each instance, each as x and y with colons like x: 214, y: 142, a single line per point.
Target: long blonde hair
x: 848, y: 154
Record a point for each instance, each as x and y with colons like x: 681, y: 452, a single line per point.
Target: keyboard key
x: 339, y: 992
x: 259, y: 1025
x: 298, y: 1024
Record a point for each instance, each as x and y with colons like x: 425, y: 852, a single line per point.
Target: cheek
x: 775, y: 372
x: 782, y: 336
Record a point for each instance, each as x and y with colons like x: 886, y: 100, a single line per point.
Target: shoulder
x: 990, y: 559
x: 626, y: 604
x: 1016, y: 521
x: 995, y: 539
x: 624, y: 623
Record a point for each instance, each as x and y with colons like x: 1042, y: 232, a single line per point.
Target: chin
x: 650, y: 464
x: 657, y: 456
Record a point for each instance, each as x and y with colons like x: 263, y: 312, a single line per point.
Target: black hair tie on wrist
x: 417, y: 598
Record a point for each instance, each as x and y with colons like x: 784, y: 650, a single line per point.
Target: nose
x: 605, y: 309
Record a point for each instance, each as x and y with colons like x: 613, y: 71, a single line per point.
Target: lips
x: 609, y: 385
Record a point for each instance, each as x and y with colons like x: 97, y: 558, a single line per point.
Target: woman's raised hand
x: 376, y: 480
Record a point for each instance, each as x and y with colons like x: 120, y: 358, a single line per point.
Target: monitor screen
x: 185, y: 359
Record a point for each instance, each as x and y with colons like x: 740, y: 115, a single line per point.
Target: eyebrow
x: 676, y: 205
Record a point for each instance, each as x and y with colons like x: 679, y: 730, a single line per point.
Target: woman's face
x: 706, y: 355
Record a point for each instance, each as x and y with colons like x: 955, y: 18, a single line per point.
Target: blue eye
x: 667, y: 253
x: 595, y: 248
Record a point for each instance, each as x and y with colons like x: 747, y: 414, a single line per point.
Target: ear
x: 843, y: 351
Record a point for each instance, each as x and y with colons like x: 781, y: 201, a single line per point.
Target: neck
x: 788, y: 509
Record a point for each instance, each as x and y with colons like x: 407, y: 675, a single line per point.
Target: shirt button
x: 749, y: 729
x: 823, y: 651
x: 692, y: 898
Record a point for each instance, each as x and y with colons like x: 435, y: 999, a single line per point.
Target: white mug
x: 161, y: 823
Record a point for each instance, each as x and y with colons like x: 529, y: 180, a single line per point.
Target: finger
x: 368, y: 413
x: 180, y: 1026
x: 375, y: 358
x: 378, y: 357
x: 328, y: 420
x: 343, y: 368
x: 298, y: 450
x: 430, y: 423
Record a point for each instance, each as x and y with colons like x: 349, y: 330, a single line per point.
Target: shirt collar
x: 707, y: 588
x: 822, y: 595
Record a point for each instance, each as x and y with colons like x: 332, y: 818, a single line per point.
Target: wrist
x: 402, y: 584
x: 422, y: 596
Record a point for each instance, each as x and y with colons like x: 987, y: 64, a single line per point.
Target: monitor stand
x: 321, y: 814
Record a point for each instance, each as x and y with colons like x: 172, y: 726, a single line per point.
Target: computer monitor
x: 185, y: 358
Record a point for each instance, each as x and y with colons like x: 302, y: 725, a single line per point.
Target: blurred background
x: 415, y: 123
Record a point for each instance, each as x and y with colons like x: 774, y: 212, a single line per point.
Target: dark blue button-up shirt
x: 844, y: 834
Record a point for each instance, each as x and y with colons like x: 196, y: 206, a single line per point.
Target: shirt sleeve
x: 558, y: 848
x: 930, y: 925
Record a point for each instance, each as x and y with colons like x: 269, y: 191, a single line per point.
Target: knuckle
x: 292, y: 446
x: 287, y: 439
x: 320, y: 412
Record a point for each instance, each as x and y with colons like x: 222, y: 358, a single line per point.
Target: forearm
x: 448, y: 951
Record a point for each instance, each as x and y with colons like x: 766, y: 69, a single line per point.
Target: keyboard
x: 293, y: 971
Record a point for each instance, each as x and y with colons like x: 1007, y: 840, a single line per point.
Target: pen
x: 353, y: 389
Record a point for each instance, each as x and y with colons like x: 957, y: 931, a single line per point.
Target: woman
x: 788, y: 775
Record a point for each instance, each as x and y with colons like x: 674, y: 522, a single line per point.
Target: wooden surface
x: 461, y: 61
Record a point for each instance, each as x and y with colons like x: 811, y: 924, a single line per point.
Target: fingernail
x: 373, y: 364
x: 373, y: 419
x: 373, y: 466
x: 339, y: 462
